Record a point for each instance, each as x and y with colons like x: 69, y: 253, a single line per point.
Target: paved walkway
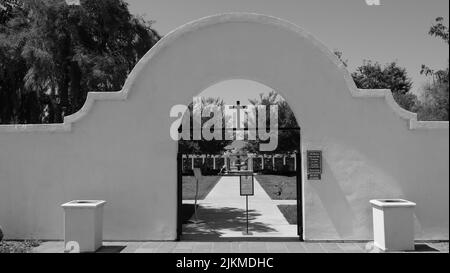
x: 222, y: 214
x: 239, y: 247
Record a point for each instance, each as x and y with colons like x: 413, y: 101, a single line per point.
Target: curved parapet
x: 218, y: 19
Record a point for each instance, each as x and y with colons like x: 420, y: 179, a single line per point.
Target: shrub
x: 18, y: 246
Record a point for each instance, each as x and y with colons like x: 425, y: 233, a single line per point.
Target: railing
x: 258, y: 162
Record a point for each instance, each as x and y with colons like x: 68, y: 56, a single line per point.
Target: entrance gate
x: 299, y: 187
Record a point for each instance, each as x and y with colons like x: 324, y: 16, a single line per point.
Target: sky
x: 243, y: 90
x: 396, y: 30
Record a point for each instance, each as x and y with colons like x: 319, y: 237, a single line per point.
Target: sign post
x: 247, y: 189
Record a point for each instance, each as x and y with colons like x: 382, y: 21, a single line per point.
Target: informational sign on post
x: 247, y: 185
x: 247, y: 189
x: 314, y: 163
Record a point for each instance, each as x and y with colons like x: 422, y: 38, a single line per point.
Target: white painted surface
x: 120, y: 150
x: 393, y: 225
x: 83, y: 224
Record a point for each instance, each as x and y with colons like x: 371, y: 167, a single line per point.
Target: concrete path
x: 241, y: 247
x: 222, y: 214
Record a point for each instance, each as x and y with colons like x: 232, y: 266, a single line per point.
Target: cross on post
x: 238, y: 108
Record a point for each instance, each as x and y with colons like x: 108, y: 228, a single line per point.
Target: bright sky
x: 395, y: 30
x: 236, y: 90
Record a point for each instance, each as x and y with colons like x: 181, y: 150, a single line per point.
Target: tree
x: 204, y: 146
x: 288, y: 128
x: 70, y: 50
x: 434, y: 102
x: 17, y: 104
x: 371, y: 75
x: 340, y: 56
x: 439, y: 29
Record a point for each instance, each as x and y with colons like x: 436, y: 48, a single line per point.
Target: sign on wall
x: 247, y: 185
x: 314, y: 164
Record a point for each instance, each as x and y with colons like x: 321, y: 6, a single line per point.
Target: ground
x: 18, y: 246
x: 279, y: 187
x: 222, y: 218
x: 223, y: 214
x: 207, y: 183
x: 285, y: 246
x: 204, y: 187
x: 289, y: 212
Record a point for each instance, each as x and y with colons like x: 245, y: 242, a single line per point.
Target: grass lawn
x: 279, y: 187
x: 204, y: 187
x: 18, y: 246
x: 289, y: 212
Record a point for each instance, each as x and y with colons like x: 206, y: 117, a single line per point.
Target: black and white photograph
x: 228, y: 135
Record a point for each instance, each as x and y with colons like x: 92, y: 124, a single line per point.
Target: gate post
x: 179, y: 195
x: 299, y: 198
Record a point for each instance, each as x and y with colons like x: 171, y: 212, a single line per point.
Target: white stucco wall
x: 118, y: 148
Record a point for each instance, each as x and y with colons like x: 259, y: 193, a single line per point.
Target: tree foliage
x: 372, y: 75
x: 52, y: 54
x: 204, y: 146
x: 288, y: 128
x: 434, y: 102
x: 340, y: 57
x: 439, y: 29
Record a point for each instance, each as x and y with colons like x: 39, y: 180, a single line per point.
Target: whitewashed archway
x: 119, y: 149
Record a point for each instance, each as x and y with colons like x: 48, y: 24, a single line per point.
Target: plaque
x: 314, y: 176
x: 246, y: 185
x: 314, y: 163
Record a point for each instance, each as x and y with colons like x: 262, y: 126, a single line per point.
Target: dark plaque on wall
x: 314, y: 162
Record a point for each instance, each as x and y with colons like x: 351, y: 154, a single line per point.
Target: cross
x: 238, y: 107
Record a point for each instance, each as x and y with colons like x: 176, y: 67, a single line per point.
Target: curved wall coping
x: 170, y: 38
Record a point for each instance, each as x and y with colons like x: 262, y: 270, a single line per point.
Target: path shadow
x: 110, y: 249
x: 418, y: 247
x: 424, y: 248
x: 187, y: 211
x: 215, y: 222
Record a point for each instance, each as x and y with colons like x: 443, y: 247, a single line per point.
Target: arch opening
x: 210, y: 205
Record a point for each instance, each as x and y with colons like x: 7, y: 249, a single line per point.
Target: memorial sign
x: 314, y: 163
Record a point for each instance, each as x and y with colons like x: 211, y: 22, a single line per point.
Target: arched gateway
x: 121, y: 151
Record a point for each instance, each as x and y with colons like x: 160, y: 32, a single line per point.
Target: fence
x: 264, y: 163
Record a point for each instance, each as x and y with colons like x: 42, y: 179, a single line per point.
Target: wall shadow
x: 335, y: 203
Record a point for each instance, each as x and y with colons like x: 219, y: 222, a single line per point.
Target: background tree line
x: 432, y: 104
x: 288, y: 128
x: 52, y: 54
